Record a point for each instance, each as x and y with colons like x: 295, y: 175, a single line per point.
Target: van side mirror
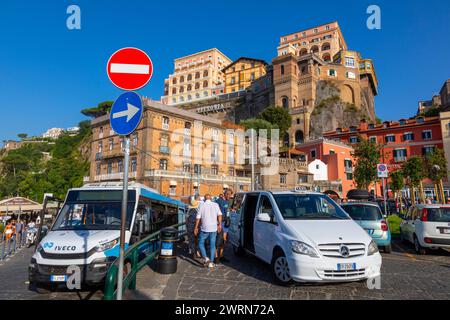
x: 264, y: 217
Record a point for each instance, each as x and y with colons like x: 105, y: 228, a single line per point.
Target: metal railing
x: 150, y: 245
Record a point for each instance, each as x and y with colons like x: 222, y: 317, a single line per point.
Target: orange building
x: 338, y: 159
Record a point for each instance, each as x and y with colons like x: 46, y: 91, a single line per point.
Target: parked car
x: 427, y: 226
x: 368, y: 215
x: 304, y: 236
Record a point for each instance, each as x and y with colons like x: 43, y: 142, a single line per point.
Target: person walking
x: 19, y: 232
x: 191, y: 218
x: 211, y: 223
x: 224, y: 202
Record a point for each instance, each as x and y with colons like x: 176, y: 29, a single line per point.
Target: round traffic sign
x: 129, y: 68
x: 126, y: 113
x: 382, y: 167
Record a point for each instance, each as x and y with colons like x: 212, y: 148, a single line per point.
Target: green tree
x: 258, y: 124
x: 101, y: 109
x: 278, y: 117
x: 413, y: 170
x: 436, y: 169
x: 397, y: 184
x: 367, y: 156
x: 22, y: 136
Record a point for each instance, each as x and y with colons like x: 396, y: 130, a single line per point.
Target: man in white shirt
x: 211, y: 218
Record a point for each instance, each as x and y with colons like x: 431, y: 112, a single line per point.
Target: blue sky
x: 49, y: 73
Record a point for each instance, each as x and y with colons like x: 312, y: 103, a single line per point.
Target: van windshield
x: 94, y: 210
x: 308, y: 207
x: 363, y: 212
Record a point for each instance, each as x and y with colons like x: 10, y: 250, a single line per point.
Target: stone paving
x: 405, y: 275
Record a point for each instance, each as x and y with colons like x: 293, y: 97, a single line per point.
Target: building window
x: 420, y: 120
x: 252, y: 76
x: 187, y: 147
x: 197, y: 85
x: 120, y: 166
x: 373, y: 139
x: 133, y: 165
x: 233, y: 80
x: 164, y: 143
x: 172, y: 191
x: 349, y: 175
x: 189, y: 97
x: 408, y: 136
x: 332, y: 151
x: 426, y: 135
x: 205, y: 93
x: 165, y: 123
x: 231, y: 172
x: 350, y: 75
x: 400, y: 155
x: 109, y: 167
x: 181, y: 79
x: 215, y: 151
x: 189, y: 77
x: 371, y: 126
x: 163, y: 164
x: 350, y: 62
x: 353, y: 129
x: 205, y: 84
x: 214, y: 170
x: 174, y: 81
x: 285, y: 102
x: 282, y: 69
x: 98, y: 169
x: 302, y: 178
x: 428, y: 150
x: 327, y: 28
x: 402, y: 122
x: 186, y: 167
x: 134, y: 141
x: 353, y: 139
x: 313, y: 153
x: 205, y: 73
x: 316, y: 30
x: 174, y: 100
x: 332, y: 73
x: 111, y: 144
x: 189, y: 87
x: 283, y: 178
x: 197, y: 75
x: 390, y: 138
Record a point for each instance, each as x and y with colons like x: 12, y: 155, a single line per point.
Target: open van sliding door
x: 251, y: 201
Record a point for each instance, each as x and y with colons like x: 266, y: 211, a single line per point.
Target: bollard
x: 167, y: 259
x: 3, y: 247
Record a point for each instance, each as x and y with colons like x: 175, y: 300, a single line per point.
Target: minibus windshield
x: 94, y: 210
x: 308, y: 207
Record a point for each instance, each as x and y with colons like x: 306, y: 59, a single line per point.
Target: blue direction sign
x: 126, y: 113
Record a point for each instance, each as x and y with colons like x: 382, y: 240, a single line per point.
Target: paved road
x: 405, y: 275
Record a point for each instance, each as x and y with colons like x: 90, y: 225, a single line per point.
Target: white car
x: 305, y: 236
x: 427, y: 226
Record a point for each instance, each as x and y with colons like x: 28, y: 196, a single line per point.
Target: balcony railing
x: 113, y: 176
x: 188, y: 175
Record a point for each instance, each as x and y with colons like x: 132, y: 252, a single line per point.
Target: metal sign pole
x: 123, y: 217
x: 384, y: 195
x: 253, y: 158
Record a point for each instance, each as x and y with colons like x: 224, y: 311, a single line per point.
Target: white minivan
x: 305, y: 236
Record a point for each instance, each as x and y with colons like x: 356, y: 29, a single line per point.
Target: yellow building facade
x: 240, y: 74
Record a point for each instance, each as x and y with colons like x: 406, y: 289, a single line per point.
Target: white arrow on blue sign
x: 126, y: 113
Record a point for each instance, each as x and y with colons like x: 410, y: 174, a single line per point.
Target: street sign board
x: 382, y: 170
x: 126, y: 113
x: 129, y: 69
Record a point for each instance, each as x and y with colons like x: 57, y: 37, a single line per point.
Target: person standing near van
x: 191, y: 218
x: 211, y: 223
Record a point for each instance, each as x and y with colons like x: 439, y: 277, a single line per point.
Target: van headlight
x: 303, y: 248
x: 107, y: 245
x: 373, y: 248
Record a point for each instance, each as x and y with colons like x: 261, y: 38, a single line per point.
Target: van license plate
x: 58, y: 278
x: 445, y: 231
x: 346, y: 266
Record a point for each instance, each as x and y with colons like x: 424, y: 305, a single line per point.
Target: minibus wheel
x: 280, y: 269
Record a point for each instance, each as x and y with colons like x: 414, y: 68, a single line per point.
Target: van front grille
x: 332, y: 250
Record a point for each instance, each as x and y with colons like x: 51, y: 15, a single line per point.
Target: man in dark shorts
x: 222, y: 237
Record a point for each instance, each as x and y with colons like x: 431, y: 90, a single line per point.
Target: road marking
x: 130, y: 68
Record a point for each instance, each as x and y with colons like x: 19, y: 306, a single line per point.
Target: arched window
x: 189, y: 97
x: 304, y: 69
x: 197, y: 85
x: 189, y: 87
x: 163, y: 164
x: 285, y: 102
x: 314, y: 49
x: 181, y: 89
x: 282, y: 69
x: 205, y: 93
x: 299, y: 136
x: 189, y: 77
x: 174, y: 90
x: 325, y: 46
x: 174, y: 81
x: 197, y: 95
x: 181, y: 79
x: 205, y: 84
x: 197, y: 75
x: 303, y: 52
x: 205, y: 73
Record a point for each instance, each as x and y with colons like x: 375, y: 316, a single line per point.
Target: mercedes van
x: 304, y: 236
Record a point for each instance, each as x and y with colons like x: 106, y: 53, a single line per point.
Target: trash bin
x: 167, y: 260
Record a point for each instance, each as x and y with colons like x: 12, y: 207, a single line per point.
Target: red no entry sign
x: 129, y: 68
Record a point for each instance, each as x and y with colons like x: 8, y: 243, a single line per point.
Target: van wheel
x: 238, y: 251
x: 419, y: 249
x: 387, y: 249
x: 280, y: 269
